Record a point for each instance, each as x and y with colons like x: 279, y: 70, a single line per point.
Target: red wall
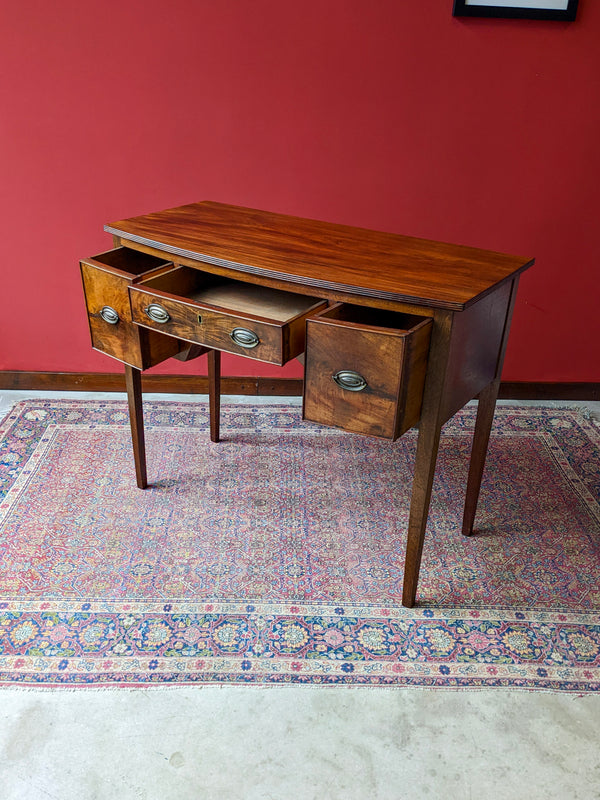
x: 390, y: 115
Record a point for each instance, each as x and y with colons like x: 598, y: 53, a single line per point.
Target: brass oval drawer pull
x: 244, y: 338
x: 109, y: 315
x: 157, y: 313
x: 350, y: 380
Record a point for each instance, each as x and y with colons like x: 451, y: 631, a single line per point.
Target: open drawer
x: 106, y: 278
x: 224, y: 314
x: 365, y: 369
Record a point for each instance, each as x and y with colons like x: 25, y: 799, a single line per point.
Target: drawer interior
x: 131, y: 262
x: 370, y: 317
x: 230, y: 295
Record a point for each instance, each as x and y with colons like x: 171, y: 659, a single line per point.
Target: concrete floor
x: 295, y: 742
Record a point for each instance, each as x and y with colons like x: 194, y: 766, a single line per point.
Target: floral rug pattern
x: 276, y: 556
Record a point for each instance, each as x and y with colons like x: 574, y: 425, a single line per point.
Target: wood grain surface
x: 391, y: 359
x: 323, y: 255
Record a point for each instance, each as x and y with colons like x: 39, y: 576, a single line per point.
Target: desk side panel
x: 476, y: 341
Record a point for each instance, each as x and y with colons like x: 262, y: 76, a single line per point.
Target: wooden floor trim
x: 169, y: 384
x: 191, y: 384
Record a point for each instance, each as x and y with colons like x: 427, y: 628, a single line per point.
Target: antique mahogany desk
x: 396, y: 331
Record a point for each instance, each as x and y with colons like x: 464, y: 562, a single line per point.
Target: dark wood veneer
x: 206, y: 310
x: 106, y: 278
x: 450, y: 308
x: 387, y: 351
x: 322, y: 255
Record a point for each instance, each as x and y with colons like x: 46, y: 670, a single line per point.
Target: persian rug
x: 276, y: 556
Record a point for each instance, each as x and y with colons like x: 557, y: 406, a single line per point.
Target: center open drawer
x: 365, y: 369
x: 224, y: 314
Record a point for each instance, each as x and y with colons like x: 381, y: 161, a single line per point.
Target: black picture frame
x: 462, y: 8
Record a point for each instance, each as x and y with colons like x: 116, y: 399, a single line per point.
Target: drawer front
x: 111, y: 328
x: 352, y: 378
x: 214, y: 328
x: 362, y: 377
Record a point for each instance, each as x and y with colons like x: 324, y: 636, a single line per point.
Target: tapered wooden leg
x: 428, y: 443
x: 133, y: 380
x: 481, y: 437
x: 427, y: 450
x: 214, y: 392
